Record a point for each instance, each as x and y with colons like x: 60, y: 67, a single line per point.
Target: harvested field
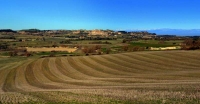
x: 137, y: 77
x: 44, y: 49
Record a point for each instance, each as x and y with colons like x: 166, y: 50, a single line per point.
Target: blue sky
x: 99, y: 14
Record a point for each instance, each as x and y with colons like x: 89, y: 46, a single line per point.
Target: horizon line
x: 108, y: 29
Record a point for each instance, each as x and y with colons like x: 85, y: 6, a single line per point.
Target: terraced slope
x: 114, y: 78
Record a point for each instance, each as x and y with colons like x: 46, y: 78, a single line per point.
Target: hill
x: 136, y: 77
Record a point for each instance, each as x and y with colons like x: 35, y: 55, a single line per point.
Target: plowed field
x: 137, y: 77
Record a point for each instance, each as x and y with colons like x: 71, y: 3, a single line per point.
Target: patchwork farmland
x: 135, y: 77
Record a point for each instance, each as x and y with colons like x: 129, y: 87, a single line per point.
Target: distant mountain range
x: 178, y: 32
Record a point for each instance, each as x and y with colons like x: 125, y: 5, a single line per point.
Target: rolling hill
x: 156, y: 76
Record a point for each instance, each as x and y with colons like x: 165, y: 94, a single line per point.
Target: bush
x: 191, y: 44
x: 93, y: 49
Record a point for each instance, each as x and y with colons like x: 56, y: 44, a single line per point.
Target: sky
x: 99, y: 14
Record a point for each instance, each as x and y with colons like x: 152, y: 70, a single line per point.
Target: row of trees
x: 97, y: 49
x: 19, y: 52
x: 93, y: 49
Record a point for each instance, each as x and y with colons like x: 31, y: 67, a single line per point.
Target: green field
x: 155, y: 43
x: 171, y: 77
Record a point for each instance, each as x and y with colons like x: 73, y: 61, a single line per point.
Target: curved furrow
x: 37, y: 68
x: 83, y: 68
x: 88, y: 70
x: 87, y: 82
x: 53, y: 67
x: 176, y: 58
x: 79, y: 78
x: 3, y: 75
x: 121, y: 65
x: 67, y: 81
x: 97, y: 70
x: 158, y: 61
x: 9, y: 84
x: 158, y: 69
x: 6, y: 74
x: 93, y: 64
x: 192, y: 57
x: 189, y: 52
x: 46, y: 70
x: 70, y: 71
x: 143, y: 62
x: 5, y: 67
x: 50, y: 83
x: 125, y: 70
x: 60, y: 82
x: 21, y: 82
x: 165, y: 62
x: 5, y: 71
x: 178, y: 64
x: 35, y: 77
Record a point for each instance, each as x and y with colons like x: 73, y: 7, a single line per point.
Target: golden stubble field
x: 136, y: 77
x: 44, y: 49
